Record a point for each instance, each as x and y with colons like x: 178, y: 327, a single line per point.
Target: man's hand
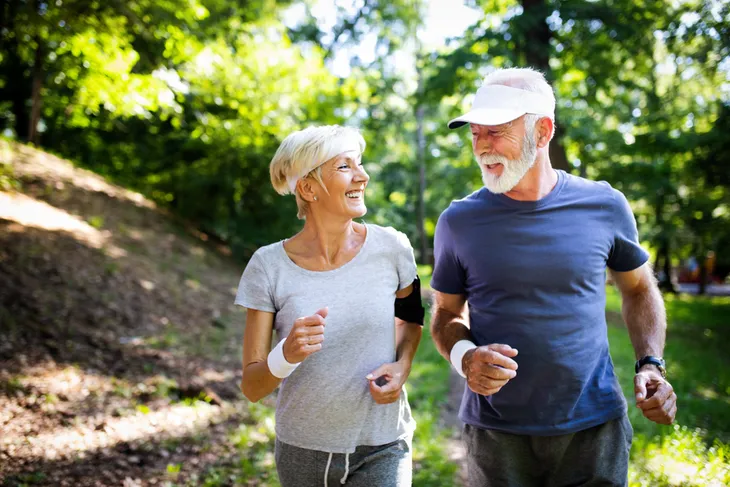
x: 488, y: 368
x: 305, y: 337
x: 655, y: 396
x: 386, y: 382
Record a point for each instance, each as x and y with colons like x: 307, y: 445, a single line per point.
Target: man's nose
x: 481, y: 144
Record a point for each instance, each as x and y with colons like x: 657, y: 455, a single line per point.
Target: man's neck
x: 537, y: 183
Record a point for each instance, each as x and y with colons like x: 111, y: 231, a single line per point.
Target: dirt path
x: 450, y: 414
x: 450, y: 418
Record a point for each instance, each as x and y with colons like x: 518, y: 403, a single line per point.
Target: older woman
x: 331, y: 292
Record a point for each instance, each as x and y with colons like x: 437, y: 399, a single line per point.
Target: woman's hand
x: 305, y: 337
x: 386, y: 382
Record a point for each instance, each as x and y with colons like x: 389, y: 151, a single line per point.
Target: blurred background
x: 136, y: 137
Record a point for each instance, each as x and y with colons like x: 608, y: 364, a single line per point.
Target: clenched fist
x: 305, y: 337
x: 488, y: 368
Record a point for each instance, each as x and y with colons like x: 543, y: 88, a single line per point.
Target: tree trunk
x: 669, y: 287
x: 664, y: 252
x: 35, y: 111
x: 702, y: 289
x: 425, y: 257
x: 534, y: 42
x: 664, y: 262
x: 17, y: 87
x: 3, y: 16
x: 17, y: 90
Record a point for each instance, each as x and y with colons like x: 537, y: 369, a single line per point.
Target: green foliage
x: 187, y: 100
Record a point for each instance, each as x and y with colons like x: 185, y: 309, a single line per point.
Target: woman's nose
x: 362, y: 175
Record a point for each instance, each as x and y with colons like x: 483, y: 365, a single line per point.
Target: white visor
x: 497, y: 104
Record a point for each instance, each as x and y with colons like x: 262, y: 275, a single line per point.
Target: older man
x: 528, y: 254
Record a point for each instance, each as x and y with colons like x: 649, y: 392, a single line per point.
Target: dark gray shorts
x: 369, y: 466
x: 598, y: 456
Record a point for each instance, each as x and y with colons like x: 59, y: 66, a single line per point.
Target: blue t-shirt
x: 534, y: 274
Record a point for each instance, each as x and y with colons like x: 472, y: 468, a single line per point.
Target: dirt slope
x: 119, y: 343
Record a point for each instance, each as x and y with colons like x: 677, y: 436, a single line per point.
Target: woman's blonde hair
x: 302, y: 153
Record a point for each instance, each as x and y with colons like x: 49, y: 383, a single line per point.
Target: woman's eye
x: 343, y: 166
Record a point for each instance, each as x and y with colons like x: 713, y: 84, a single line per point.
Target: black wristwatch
x: 650, y: 360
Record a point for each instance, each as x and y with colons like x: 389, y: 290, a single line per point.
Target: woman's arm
x: 258, y: 381
x: 386, y: 382
x: 407, y: 335
x: 304, y: 339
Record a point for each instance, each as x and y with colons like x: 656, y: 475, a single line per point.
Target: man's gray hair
x: 527, y: 79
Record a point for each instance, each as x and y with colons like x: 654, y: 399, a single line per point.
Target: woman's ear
x: 307, y: 191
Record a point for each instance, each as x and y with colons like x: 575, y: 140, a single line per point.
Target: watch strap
x: 651, y: 360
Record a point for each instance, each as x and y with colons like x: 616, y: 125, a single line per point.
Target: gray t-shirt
x: 325, y: 404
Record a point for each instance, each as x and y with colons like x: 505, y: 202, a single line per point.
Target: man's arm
x: 449, y: 321
x: 643, y: 311
x: 487, y: 368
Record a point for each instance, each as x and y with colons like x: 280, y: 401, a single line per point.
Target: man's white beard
x: 513, y: 170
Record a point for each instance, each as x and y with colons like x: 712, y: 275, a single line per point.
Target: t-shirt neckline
x: 506, y: 200
x: 346, y: 265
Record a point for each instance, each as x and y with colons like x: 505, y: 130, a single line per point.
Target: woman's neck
x: 327, y: 243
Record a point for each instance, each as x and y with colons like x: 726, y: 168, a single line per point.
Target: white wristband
x: 278, y: 365
x: 457, y: 354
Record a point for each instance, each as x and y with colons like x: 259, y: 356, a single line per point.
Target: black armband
x: 410, y: 308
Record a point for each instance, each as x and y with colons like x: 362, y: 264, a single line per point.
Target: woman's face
x: 345, y: 179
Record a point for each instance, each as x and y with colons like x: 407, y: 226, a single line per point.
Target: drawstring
x: 327, y: 470
x: 347, y: 469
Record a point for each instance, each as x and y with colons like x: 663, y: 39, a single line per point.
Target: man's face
x: 504, y: 153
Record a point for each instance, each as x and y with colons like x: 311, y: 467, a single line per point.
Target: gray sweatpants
x: 387, y: 465
x: 598, y: 456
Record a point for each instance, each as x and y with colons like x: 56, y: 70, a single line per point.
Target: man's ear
x: 545, y: 131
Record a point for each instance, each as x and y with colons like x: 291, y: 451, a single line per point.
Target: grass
x: 428, y: 388
x: 254, y: 461
x: 695, y: 451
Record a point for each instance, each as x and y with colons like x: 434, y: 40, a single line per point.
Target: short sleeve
x: 405, y: 261
x: 626, y: 252
x: 254, y: 289
x: 448, y: 273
